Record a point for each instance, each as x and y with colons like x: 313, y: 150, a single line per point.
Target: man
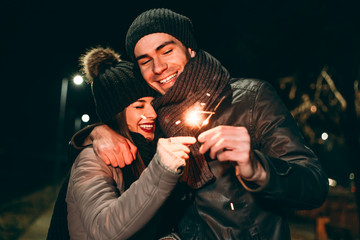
x: 250, y: 160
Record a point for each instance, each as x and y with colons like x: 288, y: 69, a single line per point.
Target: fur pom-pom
x: 96, y: 60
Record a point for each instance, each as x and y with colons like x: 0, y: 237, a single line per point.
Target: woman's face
x: 141, y: 116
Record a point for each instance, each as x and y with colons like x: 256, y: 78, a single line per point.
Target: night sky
x: 42, y: 41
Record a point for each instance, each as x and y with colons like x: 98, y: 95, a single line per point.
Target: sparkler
x: 194, y: 116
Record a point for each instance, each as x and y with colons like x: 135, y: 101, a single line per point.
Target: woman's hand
x: 174, y: 151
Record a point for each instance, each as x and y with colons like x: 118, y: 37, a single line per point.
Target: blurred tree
x: 329, y: 119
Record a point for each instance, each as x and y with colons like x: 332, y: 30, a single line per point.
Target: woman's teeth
x: 146, y: 126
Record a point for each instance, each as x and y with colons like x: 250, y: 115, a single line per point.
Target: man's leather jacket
x: 230, y: 208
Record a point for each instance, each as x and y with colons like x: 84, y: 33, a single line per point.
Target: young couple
x: 231, y: 182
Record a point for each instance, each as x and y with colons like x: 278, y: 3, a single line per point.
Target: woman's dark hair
x: 118, y: 123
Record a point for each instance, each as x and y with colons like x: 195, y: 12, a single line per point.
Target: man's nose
x: 159, y: 66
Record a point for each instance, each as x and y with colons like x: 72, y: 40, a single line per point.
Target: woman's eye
x: 139, y: 107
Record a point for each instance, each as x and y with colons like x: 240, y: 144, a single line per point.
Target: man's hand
x: 229, y: 143
x: 111, y: 147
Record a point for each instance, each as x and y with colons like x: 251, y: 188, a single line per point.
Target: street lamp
x: 60, y: 129
x: 78, y: 80
x: 64, y: 89
x: 85, y: 118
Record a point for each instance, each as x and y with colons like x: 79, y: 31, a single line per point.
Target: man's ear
x: 191, y: 52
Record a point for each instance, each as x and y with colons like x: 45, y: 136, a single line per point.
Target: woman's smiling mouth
x: 147, y: 127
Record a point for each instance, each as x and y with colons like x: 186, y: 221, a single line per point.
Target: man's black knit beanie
x: 160, y: 21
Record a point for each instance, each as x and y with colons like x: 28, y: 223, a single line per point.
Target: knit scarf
x: 199, y: 87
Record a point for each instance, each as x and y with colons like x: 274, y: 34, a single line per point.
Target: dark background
x: 42, y: 41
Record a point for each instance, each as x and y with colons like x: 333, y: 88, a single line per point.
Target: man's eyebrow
x: 164, y: 44
x: 140, y: 101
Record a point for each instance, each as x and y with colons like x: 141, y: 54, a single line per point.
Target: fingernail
x: 200, y: 150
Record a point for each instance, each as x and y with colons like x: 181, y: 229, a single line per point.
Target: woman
x: 111, y: 203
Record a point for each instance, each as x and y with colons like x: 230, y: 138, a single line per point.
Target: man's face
x: 161, y: 58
